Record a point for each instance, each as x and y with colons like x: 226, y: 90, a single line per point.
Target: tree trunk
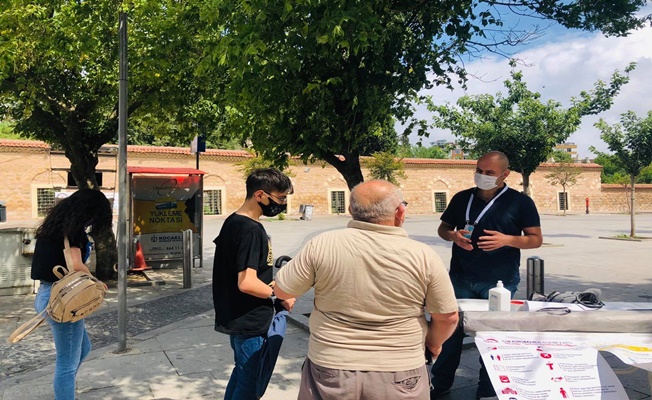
x: 526, y: 184
x: 83, y: 160
x: 106, y: 255
x: 632, y: 209
x: 349, y: 166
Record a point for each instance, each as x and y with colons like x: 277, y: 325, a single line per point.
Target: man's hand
x: 460, y: 240
x: 493, y: 240
x: 434, y: 349
x: 447, y: 232
x: 288, y: 304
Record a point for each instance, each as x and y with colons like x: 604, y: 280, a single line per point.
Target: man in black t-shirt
x: 488, y: 224
x: 242, y: 278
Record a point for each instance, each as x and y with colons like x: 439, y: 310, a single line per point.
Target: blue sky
x: 560, y: 65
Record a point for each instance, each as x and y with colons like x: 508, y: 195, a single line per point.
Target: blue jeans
x: 72, y: 345
x: 443, y: 371
x: 246, y: 354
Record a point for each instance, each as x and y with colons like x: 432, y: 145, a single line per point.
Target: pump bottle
x: 499, y: 298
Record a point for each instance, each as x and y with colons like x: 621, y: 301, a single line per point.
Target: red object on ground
x: 139, y: 259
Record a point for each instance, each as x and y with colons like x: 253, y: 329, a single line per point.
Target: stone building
x: 33, y: 174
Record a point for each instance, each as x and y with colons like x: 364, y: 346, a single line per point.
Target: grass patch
x: 623, y: 236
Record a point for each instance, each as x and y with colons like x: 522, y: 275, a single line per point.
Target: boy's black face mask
x: 273, y: 208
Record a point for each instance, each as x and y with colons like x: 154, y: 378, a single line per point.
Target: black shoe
x: 438, y: 393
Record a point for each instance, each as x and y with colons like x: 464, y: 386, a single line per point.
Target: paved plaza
x: 174, y: 353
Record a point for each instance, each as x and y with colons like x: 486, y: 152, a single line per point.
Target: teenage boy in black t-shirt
x: 242, y: 274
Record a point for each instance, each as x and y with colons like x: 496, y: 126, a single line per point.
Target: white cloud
x: 560, y: 69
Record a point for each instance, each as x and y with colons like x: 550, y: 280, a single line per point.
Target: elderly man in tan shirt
x: 368, y: 327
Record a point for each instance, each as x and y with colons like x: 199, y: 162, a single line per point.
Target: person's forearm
x: 441, y: 328
x: 526, y: 242
x: 82, y: 268
x: 261, y: 291
x: 77, y: 263
x: 446, y: 233
x: 249, y: 283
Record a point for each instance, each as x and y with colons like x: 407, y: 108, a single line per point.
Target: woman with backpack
x: 84, y: 211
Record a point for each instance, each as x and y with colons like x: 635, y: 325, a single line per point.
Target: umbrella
x: 269, y: 351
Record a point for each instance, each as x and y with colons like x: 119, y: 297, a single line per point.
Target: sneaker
x: 438, y: 393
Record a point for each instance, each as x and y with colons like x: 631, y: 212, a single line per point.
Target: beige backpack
x: 74, y: 296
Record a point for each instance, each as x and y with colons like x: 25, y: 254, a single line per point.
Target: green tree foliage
x: 59, y: 73
x: 564, y: 174
x: 59, y: 77
x: 314, y: 78
x: 646, y: 175
x: 385, y: 165
x: 419, y: 151
x: 520, y: 124
x: 613, y: 173
x: 7, y: 131
x: 257, y: 161
x: 561, y: 156
x: 631, y: 144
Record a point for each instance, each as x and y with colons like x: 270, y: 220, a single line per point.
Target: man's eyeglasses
x: 405, y: 203
x: 281, y: 200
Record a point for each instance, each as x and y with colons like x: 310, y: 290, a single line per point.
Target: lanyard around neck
x: 487, y: 207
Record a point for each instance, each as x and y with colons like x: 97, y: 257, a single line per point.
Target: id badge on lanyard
x: 470, y: 228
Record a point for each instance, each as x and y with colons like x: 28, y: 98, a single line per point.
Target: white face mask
x: 486, y: 182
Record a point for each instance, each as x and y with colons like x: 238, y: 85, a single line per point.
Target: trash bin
x: 535, y: 276
x: 306, y: 211
x: 3, y: 212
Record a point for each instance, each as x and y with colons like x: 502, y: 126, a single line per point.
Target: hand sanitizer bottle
x: 499, y: 298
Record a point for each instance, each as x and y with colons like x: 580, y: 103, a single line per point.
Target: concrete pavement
x: 175, y: 354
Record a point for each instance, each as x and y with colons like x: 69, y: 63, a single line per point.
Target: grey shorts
x: 319, y: 383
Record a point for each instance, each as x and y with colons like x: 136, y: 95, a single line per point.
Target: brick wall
x: 28, y: 165
x: 617, y: 197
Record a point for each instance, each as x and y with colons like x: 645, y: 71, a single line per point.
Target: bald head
x: 375, y: 201
x: 497, y: 158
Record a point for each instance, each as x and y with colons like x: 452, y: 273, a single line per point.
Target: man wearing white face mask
x: 489, y: 225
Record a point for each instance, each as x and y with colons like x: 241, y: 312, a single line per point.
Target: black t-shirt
x: 241, y: 244
x: 48, y: 253
x: 510, y: 213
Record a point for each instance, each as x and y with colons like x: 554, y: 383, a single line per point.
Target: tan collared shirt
x: 371, y: 284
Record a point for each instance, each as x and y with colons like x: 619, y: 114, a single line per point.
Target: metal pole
x: 123, y: 234
x: 200, y: 221
x: 187, y: 258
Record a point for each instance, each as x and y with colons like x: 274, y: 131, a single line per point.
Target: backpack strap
x: 67, y: 254
x: 60, y: 271
x: 26, y: 328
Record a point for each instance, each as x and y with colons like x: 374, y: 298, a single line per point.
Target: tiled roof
x: 135, y: 149
x: 620, y: 186
x: 24, y: 143
x: 435, y: 161
x: 580, y: 165
x: 186, y: 150
x: 245, y: 154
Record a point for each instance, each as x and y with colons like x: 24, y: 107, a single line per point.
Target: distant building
x: 569, y: 148
x: 458, y: 153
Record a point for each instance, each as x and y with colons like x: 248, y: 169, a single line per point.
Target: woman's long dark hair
x: 74, y: 213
